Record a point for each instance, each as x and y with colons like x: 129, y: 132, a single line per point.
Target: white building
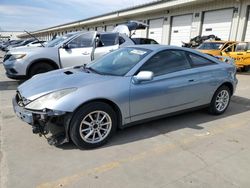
x: 172, y: 21
x: 12, y: 35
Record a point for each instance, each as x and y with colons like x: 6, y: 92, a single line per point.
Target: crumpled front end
x: 53, y: 125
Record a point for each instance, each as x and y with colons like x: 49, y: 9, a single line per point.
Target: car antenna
x: 34, y: 37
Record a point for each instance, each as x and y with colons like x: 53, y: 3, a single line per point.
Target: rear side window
x: 108, y: 39
x: 167, y: 62
x: 143, y: 41
x: 150, y: 41
x: 198, y: 61
x: 136, y: 40
x: 241, y: 47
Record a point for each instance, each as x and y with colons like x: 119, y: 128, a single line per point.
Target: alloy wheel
x: 222, y: 100
x: 95, y: 127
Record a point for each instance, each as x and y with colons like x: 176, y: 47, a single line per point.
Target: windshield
x: 119, y: 62
x: 210, y: 46
x: 58, y: 40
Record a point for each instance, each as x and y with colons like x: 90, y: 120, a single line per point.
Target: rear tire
x: 220, y: 100
x: 40, y: 68
x: 93, y: 125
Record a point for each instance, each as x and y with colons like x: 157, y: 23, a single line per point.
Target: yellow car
x: 240, y: 52
x: 214, y: 47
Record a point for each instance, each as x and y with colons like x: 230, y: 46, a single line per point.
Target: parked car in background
x: 86, y: 104
x: 21, y: 44
x: 6, y: 44
x: 35, y: 43
x: 70, y: 50
x: 144, y: 41
x: 240, y: 52
x: 198, y: 40
x: 214, y: 47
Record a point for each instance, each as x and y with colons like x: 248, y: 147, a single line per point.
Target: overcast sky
x: 32, y: 15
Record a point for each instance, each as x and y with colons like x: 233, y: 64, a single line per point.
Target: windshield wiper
x: 90, y: 69
x: 87, y: 69
x: 93, y: 70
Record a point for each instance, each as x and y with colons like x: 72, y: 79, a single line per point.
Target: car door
x: 175, y: 86
x: 237, y: 52
x: 105, y: 43
x: 78, y: 51
x: 209, y: 75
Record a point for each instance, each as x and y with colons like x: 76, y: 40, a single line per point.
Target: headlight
x: 42, y: 102
x: 16, y: 56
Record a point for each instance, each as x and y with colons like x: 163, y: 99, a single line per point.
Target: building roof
x: 152, y: 6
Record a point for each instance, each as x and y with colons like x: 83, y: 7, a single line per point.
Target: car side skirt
x: 163, y: 116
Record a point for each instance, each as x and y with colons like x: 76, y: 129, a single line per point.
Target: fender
x: 53, y: 63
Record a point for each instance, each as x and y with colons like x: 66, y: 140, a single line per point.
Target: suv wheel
x: 40, y: 68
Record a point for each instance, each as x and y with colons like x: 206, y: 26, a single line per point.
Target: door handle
x: 85, y: 53
x: 239, y: 53
x: 191, y: 80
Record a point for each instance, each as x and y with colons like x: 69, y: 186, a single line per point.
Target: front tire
x: 93, y: 125
x: 220, y: 100
x: 40, y: 68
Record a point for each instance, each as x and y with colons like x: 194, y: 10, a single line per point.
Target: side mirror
x: 143, y: 76
x: 65, y: 46
x: 69, y: 46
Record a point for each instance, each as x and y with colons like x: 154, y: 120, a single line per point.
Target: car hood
x: 45, y: 83
x: 25, y: 49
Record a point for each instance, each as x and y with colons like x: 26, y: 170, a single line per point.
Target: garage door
x: 218, y: 23
x: 139, y: 33
x: 91, y: 29
x: 109, y: 28
x: 99, y: 29
x: 247, y: 36
x: 155, y: 29
x: 181, y: 29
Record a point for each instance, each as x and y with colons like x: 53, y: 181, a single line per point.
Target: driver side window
x: 82, y: 41
x: 167, y: 61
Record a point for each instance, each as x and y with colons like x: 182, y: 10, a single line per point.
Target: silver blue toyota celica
x: 87, y: 104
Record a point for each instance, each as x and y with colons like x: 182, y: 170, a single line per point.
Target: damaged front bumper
x: 46, y: 122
